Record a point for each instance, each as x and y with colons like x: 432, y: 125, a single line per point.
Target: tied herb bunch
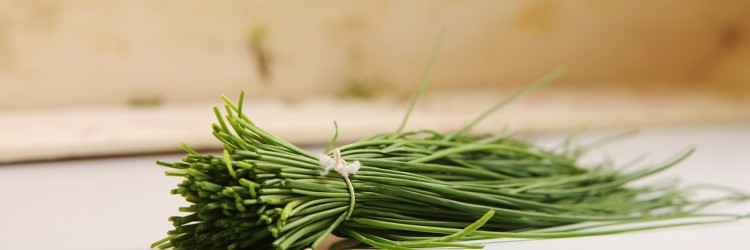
x: 408, y: 190
x: 412, y: 189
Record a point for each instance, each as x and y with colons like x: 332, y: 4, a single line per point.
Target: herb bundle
x: 411, y: 189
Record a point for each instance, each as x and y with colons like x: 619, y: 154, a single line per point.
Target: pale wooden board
x: 30, y: 135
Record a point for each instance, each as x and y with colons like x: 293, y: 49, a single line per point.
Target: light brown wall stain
x: 258, y: 46
x: 539, y: 17
x: 24, y: 21
x: 731, y: 35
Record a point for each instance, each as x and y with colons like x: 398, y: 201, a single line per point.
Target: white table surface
x: 124, y: 202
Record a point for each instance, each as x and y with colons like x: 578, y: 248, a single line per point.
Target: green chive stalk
x: 412, y: 189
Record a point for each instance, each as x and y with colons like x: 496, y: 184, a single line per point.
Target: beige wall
x: 99, y: 52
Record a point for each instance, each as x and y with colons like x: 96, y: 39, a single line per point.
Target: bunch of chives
x: 414, y: 189
x: 411, y: 189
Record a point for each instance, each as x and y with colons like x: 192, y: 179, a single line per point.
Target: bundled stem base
x: 414, y: 189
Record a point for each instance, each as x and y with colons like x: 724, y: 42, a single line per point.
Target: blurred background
x: 122, y: 83
x: 87, y: 78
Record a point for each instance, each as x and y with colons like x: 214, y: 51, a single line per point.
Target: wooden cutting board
x: 45, y: 134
